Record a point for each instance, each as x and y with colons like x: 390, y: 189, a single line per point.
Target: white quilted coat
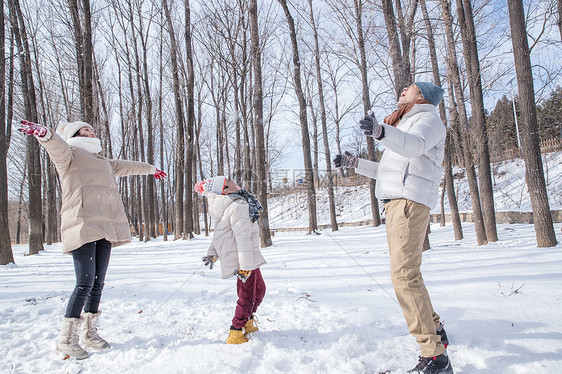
x: 236, y: 238
x: 410, y: 166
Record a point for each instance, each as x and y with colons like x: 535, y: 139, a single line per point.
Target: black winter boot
x: 433, y: 365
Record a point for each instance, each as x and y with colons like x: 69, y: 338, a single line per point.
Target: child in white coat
x: 235, y: 243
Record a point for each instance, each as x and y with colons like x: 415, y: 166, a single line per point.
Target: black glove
x: 209, y: 261
x: 346, y: 160
x: 371, y: 127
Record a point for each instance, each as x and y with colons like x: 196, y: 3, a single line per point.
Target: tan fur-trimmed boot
x: 89, y: 335
x: 68, y: 341
x: 236, y: 336
x: 251, y: 325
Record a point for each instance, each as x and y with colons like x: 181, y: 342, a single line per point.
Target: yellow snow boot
x: 251, y: 325
x: 236, y: 336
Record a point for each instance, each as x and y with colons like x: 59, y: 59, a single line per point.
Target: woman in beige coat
x: 92, y: 221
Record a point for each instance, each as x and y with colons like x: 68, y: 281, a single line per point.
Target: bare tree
x: 35, y: 210
x: 6, y: 254
x: 323, y: 121
x: 189, y: 148
x: 258, y: 123
x: 164, y: 206
x: 309, y: 173
x: 458, y: 110
x: 366, y: 104
x: 560, y: 17
x: 151, y: 226
x: 180, y: 150
x: 534, y: 175
x: 401, y: 74
x: 82, y: 32
x: 470, y: 51
x: 448, y: 185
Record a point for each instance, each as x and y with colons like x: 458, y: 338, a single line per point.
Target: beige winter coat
x: 236, y: 238
x: 92, y: 208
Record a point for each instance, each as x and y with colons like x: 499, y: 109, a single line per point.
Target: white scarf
x: 88, y: 144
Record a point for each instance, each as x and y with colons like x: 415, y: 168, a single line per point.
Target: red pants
x: 250, y: 295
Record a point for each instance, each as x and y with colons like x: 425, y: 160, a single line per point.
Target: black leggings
x: 90, y: 264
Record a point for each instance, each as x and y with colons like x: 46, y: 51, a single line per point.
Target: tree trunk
x: 180, y: 148
x: 534, y: 174
x: 448, y: 186
x: 142, y: 193
x: 309, y: 173
x: 35, y: 210
x: 459, y: 111
x: 151, y: 226
x: 261, y: 155
x: 320, y: 84
x: 164, y: 206
x: 189, y: 153
x: 560, y: 18
x: 20, y: 204
x: 6, y: 254
x: 314, y: 124
x: 406, y: 31
x: 366, y: 106
x: 470, y: 51
x: 88, y: 65
x: 106, y: 139
x: 401, y: 79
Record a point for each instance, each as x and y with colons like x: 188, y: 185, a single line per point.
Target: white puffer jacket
x: 410, y: 166
x: 236, y: 238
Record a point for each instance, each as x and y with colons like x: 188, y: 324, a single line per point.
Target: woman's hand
x: 160, y: 174
x: 30, y: 128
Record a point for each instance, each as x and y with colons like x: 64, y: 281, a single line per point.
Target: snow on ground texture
x: 329, y: 307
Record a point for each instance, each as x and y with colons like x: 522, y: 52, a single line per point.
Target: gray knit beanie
x: 430, y: 92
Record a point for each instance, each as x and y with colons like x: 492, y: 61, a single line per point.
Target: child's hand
x: 209, y: 261
x: 243, y: 275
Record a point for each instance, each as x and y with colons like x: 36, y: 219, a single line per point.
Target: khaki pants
x: 406, y: 225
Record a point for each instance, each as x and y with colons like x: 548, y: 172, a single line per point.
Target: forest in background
x: 209, y: 88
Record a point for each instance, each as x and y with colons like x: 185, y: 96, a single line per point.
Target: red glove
x: 160, y: 174
x: 30, y: 128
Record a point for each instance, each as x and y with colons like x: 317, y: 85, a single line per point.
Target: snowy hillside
x: 353, y: 203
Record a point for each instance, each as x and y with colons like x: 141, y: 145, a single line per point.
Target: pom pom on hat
x: 66, y: 130
x: 430, y: 92
x: 215, y: 185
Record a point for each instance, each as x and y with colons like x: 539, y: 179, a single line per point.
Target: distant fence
x: 507, y: 217
x: 546, y: 146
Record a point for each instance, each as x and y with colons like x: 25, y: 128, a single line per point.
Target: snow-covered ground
x: 329, y: 307
x: 353, y: 203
